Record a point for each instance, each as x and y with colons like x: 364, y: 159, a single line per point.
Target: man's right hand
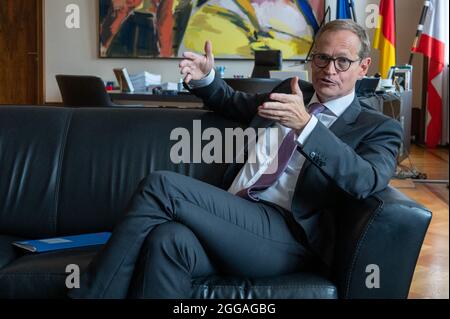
x: 195, y: 66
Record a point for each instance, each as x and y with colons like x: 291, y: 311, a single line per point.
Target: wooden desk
x: 152, y: 100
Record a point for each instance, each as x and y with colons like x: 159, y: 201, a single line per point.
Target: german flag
x: 384, y: 39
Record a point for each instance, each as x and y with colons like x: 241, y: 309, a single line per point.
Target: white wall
x: 75, y: 51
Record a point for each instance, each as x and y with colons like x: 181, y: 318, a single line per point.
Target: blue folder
x: 66, y: 242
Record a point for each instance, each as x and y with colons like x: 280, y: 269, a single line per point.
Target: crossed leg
x: 177, y: 228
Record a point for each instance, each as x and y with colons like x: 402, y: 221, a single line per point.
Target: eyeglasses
x: 341, y: 64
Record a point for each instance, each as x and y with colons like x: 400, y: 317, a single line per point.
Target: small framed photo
x: 401, y: 77
x: 391, y: 73
x: 123, y: 78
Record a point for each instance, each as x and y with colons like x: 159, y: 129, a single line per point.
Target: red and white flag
x: 433, y: 43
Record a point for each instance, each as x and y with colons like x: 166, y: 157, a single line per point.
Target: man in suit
x: 260, y: 223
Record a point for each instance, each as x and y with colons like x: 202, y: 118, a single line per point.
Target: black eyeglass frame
x: 329, y: 58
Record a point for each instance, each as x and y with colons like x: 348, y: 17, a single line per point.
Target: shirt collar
x: 336, y: 106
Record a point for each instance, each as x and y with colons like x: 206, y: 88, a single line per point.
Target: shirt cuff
x: 306, y: 132
x: 207, y: 80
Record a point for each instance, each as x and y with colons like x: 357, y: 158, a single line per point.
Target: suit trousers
x: 178, y: 228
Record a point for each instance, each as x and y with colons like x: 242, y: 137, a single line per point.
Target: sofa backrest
x: 68, y: 170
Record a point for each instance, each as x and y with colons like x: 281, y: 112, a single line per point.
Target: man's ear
x: 364, y: 66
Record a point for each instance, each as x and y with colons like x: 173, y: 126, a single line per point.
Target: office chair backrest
x: 265, y: 61
x: 82, y: 90
x: 253, y: 85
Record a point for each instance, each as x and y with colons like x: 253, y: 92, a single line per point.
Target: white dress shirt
x: 282, y: 192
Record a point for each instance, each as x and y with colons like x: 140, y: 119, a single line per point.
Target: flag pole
x: 423, y: 109
x: 395, y: 32
x: 425, y: 8
x: 352, y: 7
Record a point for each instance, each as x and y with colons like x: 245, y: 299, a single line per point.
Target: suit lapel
x: 342, y: 126
x: 260, y: 122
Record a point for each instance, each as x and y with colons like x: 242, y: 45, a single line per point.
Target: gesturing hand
x: 287, y: 109
x: 195, y: 66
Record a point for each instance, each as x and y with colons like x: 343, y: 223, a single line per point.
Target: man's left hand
x: 287, y: 109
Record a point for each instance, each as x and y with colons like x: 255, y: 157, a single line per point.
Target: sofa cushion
x: 31, y: 147
x: 8, y: 252
x: 104, y: 163
x: 67, y: 171
x: 42, y: 275
x: 293, y: 286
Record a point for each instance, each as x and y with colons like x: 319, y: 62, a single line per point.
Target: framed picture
x: 123, y: 78
x: 401, y: 77
x: 165, y: 29
x: 391, y: 73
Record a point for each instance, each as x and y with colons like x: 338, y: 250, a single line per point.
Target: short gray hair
x: 350, y: 25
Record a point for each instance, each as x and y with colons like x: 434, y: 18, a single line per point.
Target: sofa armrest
x: 386, y: 230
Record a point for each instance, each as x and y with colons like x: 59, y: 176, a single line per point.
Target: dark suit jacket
x: 355, y: 157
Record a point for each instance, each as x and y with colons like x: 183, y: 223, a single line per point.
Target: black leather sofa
x: 69, y: 171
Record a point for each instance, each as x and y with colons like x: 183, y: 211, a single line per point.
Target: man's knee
x: 159, y: 178
x: 169, y: 236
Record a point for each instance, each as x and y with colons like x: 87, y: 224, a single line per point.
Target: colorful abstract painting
x: 167, y: 28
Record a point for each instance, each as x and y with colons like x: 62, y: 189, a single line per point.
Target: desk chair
x: 253, y: 85
x: 266, y: 61
x: 84, y: 91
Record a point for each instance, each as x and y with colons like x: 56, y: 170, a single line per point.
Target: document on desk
x: 143, y: 80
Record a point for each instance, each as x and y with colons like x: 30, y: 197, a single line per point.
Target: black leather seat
x: 253, y: 85
x: 84, y: 91
x: 69, y: 171
x: 266, y: 61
